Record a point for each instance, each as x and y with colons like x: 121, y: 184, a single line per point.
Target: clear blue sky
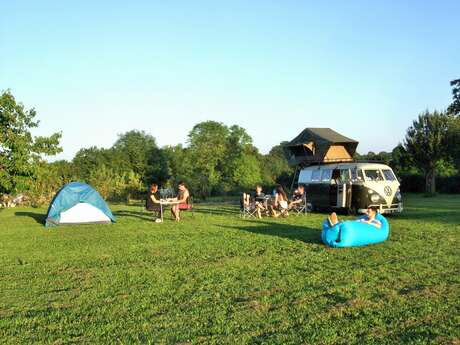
x: 94, y: 69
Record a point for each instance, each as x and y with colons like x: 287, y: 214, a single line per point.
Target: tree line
x: 216, y: 160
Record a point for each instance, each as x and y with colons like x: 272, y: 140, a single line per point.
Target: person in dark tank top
x: 260, y: 202
x: 153, y: 200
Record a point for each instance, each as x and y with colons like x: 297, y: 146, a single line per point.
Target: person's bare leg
x: 178, y: 213
x: 246, y: 200
x: 259, y: 215
x: 173, y: 211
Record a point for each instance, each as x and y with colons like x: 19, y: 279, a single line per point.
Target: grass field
x: 218, y: 279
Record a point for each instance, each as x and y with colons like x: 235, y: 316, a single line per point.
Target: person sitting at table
x: 298, y: 197
x: 153, y: 202
x: 280, y: 204
x: 259, y: 201
x: 181, y: 201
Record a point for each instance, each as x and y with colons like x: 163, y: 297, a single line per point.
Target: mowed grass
x: 217, y: 279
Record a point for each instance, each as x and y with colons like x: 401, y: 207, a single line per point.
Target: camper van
x: 352, y: 186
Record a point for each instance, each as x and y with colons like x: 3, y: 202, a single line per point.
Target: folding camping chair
x: 189, y: 207
x: 247, y: 209
x: 156, y: 213
x: 301, y: 208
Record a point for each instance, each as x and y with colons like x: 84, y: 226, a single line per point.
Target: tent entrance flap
x: 337, y: 152
x: 83, y: 213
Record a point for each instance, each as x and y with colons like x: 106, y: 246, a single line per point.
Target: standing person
x: 153, y: 202
x: 181, y: 201
x: 280, y: 203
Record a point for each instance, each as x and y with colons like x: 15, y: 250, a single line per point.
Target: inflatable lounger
x: 352, y: 233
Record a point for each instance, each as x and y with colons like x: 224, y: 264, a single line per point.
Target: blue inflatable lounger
x: 353, y: 234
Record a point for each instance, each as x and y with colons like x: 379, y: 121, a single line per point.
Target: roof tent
x: 78, y: 203
x: 319, y: 145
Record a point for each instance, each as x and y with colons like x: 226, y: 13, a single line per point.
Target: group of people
x: 275, y: 205
x: 179, y: 203
x: 278, y: 204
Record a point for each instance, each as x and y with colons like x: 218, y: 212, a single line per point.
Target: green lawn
x: 218, y: 279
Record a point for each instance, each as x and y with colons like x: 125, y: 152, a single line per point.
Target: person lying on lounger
x: 371, y: 212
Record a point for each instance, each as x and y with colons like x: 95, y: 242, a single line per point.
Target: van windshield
x: 357, y: 175
x: 389, y: 176
x: 373, y: 175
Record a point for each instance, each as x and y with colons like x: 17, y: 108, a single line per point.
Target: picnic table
x: 166, y: 202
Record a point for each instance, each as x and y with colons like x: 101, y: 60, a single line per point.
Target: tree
x: 275, y: 167
x: 453, y: 138
x: 246, y: 173
x: 426, y: 144
x: 241, y: 166
x: 19, y: 150
x: 454, y: 108
x: 178, y: 167
x: 382, y: 156
x: 401, y: 161
x: 207, y: 150
x: 88, y: 160
x: 139, y: 152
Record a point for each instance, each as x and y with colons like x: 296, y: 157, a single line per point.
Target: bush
x: 415, y: 183
x: 115, y: 186
x: 450, y: 184
x: 50, y: 177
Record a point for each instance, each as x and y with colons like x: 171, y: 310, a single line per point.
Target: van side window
x: 357, y: 175
x: 326, y: 175
x: 315, y: 175
x: 305, y: 176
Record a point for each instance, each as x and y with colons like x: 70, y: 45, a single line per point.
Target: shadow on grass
x: 38, y: 217
x: 442, y: 216
x: 292, y: 232
x: 216, y: 210
x: 143, y: 215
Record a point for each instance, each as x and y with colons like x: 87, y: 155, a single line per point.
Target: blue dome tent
x: 78, y: 203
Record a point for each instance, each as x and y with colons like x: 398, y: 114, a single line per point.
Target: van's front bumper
x: 384, y: 209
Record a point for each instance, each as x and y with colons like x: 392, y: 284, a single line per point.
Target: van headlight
x: 398, y: 195
x: 375, y: 197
